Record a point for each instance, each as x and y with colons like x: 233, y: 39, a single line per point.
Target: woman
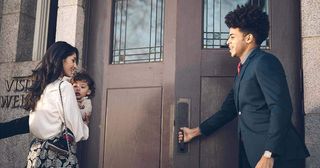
x: 48, y: 113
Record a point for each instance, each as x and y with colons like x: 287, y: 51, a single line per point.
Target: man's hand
x: 265, y: 162
x: 186, y: 134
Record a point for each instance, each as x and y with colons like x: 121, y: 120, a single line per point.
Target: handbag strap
x: 63, y: 120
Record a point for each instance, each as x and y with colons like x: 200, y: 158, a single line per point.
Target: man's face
x: 81, y: 89
x: 237, y: 42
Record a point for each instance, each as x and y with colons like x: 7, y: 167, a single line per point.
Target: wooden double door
x: 134, y: 123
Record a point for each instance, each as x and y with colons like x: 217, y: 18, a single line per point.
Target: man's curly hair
x: 249, y: 19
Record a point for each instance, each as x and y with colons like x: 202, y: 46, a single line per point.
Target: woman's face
x: 70, y: 65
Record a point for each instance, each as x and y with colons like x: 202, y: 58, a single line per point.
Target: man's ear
x: 250, y: 38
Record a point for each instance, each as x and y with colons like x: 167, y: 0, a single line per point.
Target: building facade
x: 158, y: 65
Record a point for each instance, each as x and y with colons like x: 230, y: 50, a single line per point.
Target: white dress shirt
x: 45, y: 121
x: 246, y: 56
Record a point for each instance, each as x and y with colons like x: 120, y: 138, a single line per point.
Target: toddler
x: 84, y: 89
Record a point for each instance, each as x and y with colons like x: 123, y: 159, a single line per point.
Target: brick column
x: 70, y: 23
x: 16, y: 39
x: 17, y: 27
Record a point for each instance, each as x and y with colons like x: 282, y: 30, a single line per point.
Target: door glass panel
x: 137, y: 31
x: 215, y: 31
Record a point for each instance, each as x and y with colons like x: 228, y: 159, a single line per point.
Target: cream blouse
x: 45, y: 121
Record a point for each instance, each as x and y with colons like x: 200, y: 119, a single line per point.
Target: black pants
x: 278, y: 163
x: 243, y: 160
x: 295, y: 163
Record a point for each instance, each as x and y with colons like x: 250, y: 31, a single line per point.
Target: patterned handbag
x: 61, y: 145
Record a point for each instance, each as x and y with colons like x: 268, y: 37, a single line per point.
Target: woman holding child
x: 52, y: 102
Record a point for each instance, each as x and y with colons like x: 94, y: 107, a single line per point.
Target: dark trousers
x: 295, y: 163
x: 243, y: 160
x: 278, y: 163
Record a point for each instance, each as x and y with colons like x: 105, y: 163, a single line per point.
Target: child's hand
x: 86, y: 118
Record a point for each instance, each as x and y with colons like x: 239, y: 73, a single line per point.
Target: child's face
x: 81, y: 89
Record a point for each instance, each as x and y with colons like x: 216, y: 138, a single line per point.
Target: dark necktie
x: 239, y: 67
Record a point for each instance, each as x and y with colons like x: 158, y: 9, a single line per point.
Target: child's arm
x: 86, y: 110
x: 87, y: 106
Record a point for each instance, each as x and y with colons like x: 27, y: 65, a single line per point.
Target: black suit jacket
x: 261, y: 100
x: 14, y: 127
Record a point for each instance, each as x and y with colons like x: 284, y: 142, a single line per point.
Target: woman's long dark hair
x: 48, y: 70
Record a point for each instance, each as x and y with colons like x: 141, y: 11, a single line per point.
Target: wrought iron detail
x: 137, y: 31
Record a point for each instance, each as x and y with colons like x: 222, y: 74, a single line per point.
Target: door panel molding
x: 133, y: 127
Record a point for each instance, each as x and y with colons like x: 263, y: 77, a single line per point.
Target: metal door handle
x: 182, y: 120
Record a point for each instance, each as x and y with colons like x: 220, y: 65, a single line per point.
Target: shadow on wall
x: 312, y: 137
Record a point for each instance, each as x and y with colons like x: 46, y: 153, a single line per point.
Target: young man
x: 260, y: 98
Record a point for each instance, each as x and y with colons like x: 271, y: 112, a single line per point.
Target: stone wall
x: 17, y: 19
x: 13, y: 84
x: 1, y: 2
x: 310, y: 21
x: 17, y: 27
x: 26, y: 30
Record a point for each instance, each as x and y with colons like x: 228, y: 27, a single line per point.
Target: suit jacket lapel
x: 235, y: 88
x: 240, y: 76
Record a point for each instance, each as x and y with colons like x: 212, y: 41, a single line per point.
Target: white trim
x: 41, y: 29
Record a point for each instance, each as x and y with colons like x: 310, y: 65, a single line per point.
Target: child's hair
x: 83, y: 76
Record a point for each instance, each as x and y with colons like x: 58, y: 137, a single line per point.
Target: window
x: 215, y: 31
x: 137, y: 31
x: 32, y: 33
x: 45, y: 27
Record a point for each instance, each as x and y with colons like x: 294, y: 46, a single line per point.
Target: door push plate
x: 182, y: 120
